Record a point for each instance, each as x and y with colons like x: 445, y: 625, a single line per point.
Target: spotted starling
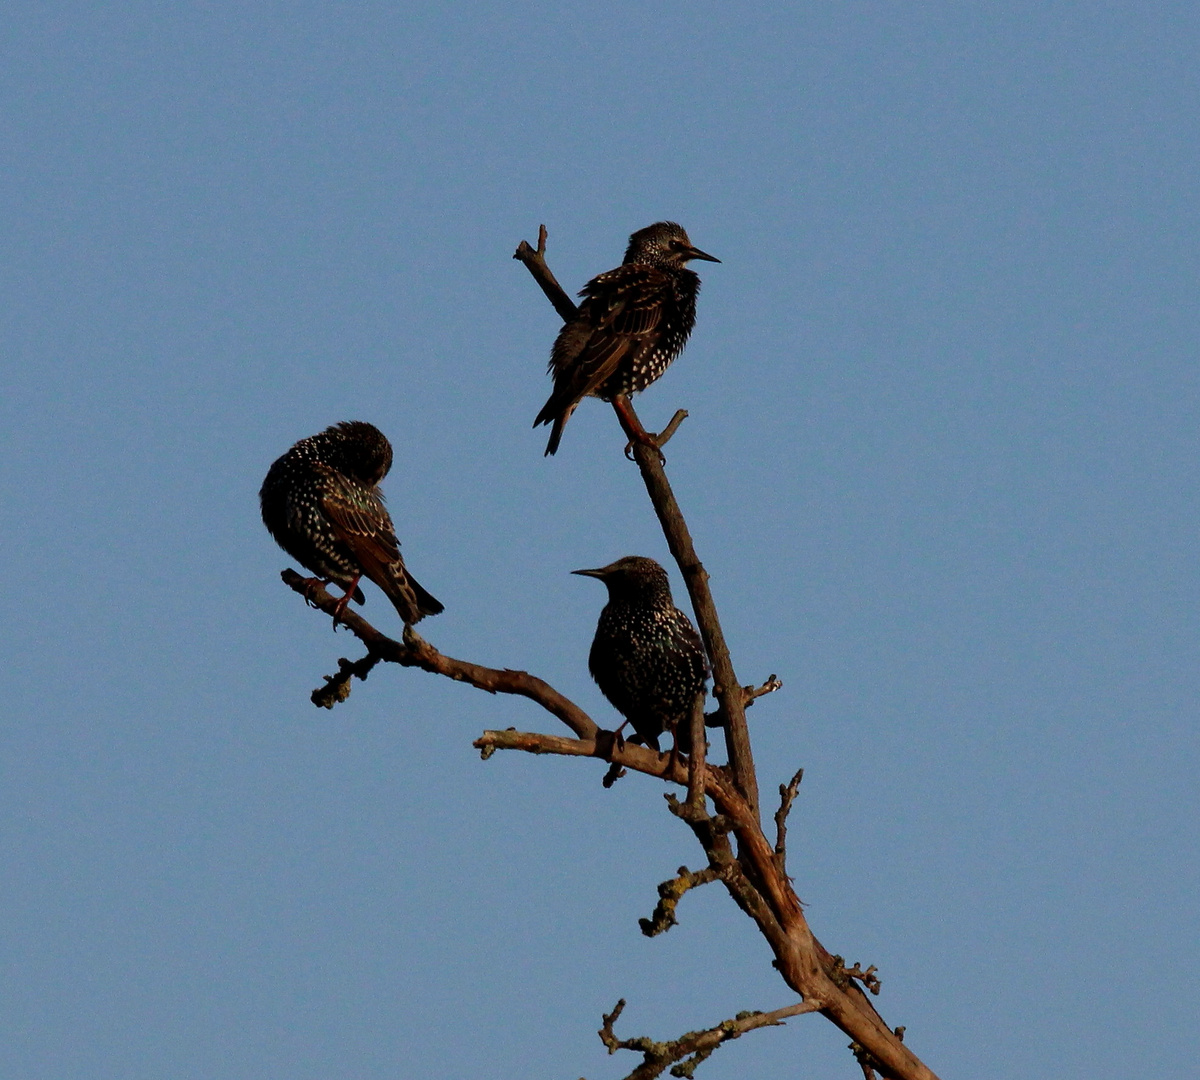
x: 322, y: 503
x: 633, y: 322
x: 646, y: 657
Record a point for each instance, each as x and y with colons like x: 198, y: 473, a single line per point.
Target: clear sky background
x: 941, y: 465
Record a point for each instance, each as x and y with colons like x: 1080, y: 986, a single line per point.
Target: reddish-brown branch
x: 535, y: 262
x: 726, y: 688
x: 821, y: 978
x: 787, y: 795
x: 628, y: 755
x: 695, y: 1045
x: 415, y: 651
x: 756, y: 879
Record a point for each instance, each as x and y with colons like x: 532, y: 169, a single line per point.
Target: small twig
x: 669, y: 894
x: 660, y: 440
x: 606, y: 1033
x: 535, y: 263
x: 337, y: 687
x: 664, y: 436
x: 695, y: 1046
x: 787, y: 796
x: 615, y: 772
x: 753, y: 693
x: 842, y: 975
x: 865, y: 1061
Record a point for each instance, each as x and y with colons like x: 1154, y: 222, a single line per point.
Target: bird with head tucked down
x: 321, y: 502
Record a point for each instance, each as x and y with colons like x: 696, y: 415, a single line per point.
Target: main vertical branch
x: 726, y: 688
x: 756, y: 878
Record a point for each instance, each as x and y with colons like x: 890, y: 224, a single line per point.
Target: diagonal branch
x: 535, y: 262
x: 695, y: 1046
x: 726, y: 688
x: 755, y: 879
x: 415, y: 651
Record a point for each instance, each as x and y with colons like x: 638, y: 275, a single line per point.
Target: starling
x: 646, y: 657
x: 633, y: 322
x: 322, y: 503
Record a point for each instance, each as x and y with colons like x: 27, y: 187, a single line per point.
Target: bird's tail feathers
x: 426, y: 603
x: 559, y: 418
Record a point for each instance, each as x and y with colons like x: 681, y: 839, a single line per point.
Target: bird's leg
x: 677, y: 756
x: 633, y: 429
x: 617, y: 742
x: 340, y: 607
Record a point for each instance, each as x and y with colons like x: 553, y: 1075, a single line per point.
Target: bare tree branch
x: 337, y: 687
x: 415, y: 651
x: 695, y: 1046
x: 753, y: 693
x: 755, y: 876
x: 726, y: 688
x: 669, y: 894
x: 787, y: 796
x: 535, y: 262
x: 755, y: 879
x: 604, y: 746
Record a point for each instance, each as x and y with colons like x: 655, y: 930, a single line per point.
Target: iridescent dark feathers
x: 632, y: 323
x: 321, y: 502
x: 646, y: 657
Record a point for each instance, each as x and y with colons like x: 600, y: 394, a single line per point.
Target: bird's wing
x: 695, y: 645
x: 629, y: 299
x: 620, y: 310
x: 362, y: 523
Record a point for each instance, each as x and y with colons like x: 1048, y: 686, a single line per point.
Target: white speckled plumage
x: 321, y: 502
x: 633, y: 322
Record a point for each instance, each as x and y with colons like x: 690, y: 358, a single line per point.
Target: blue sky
x: 941, y: 466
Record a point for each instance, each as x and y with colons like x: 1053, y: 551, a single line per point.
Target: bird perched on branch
x: 646, y: 657
x: 632, y: 323
x: 322, y: 503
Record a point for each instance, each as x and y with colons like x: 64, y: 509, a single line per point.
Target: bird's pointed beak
x: 598, y: 573
x: 696, y: 253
